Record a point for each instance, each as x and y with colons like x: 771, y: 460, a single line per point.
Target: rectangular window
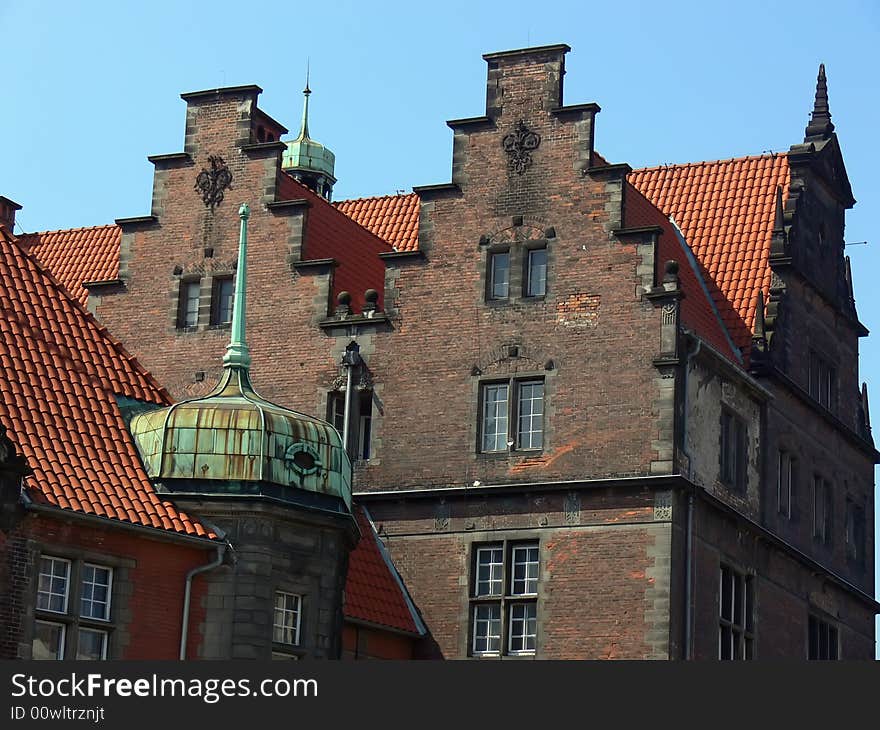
x: 54, y: 584
x: 90, y: 604
x: 536, y: 273
x: 188, y: 304
x: 95, y: 594
x: 504, y: 609
x: 489, y: 572
x: 523, y: 628
x: 524, y: 579
x: 495, y: 417
x: 287, y: 618
x: 823, y: 498
x: 91, y: 644
x: 822, y: 640
x: 360, y: 432
x: 855, y: 531
x: 516, y: 424
x: 221, y: 301
x: 734, y: 450
x: 823, y: 382
x: 530, y: 434
x: 786, y: 483
x: 48, y: 642
x: 499, y: 275
x: 736, y: 639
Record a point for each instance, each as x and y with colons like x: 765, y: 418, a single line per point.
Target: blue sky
x: 91, y: 88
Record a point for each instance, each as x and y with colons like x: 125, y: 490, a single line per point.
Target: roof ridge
x: 100, y: 328
x: 72, y: 230
x: 724, y: 161
x: 376, y: 197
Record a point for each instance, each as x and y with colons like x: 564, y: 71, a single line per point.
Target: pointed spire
x: 237, y: 354
x: 307, y: 92
x: 849, y: 282
x: 779, y: 219
x: 820, y: 126
x: 760, y: 330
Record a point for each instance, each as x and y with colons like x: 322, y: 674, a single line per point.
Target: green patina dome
x: 233, y: 442
x: 233, y: 435
x: 308, y: 160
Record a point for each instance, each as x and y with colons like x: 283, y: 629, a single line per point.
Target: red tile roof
x: 374, y: 592
x: 725, y: 210
x: 77, y: 255
x: 394, y: 218
x: 60, y: 375
x: 698, y: 311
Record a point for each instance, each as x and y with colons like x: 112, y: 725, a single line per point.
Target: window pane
x: 48, y: 641
x: 524, y: 580
x: 189, y: 303
x: 224, y: 309
x: 531, y: 415
x: 52, y: 584
x: 499, y: 275
x: 95, y: 598
x: 726, y: 597
x: 490, y: 570
x: 537, y: 273
x: 287, y: 618
x: 91, y: 644
x: 523, y: 627
x: 487, y: 629
x: 495, y: 418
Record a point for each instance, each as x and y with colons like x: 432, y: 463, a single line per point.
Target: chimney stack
x: 7, y: 213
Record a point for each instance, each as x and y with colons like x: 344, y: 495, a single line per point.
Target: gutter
x: 689, y: 530
x: 187, y: 594
x: 108, y: 522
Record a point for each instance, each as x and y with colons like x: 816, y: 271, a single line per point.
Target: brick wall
x: 147, y: 598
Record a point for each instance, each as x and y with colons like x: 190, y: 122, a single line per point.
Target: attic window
x: 261, y: 134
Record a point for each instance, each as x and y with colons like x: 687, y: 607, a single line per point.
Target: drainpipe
x: 350, y: 360
x: 184, y: 626
x: 689, y: 534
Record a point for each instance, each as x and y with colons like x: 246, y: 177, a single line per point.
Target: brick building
x: 596, y: 412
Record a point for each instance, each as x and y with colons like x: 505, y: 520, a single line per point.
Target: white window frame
x: 511, y: 419
x: 502, y: 597
x: 82, y: 583
x: 284, y: 611
x: 61, y: 641
x: 493, y: 258
x: 89, y: 629
x: 530, y: 273
x: 743, y: 630
x: 67, y: 581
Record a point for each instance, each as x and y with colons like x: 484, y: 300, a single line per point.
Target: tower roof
x: 304, y: 154
x: 232, y: 441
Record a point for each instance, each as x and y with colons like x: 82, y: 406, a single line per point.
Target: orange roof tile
x: 60, y: 377
x: 374, y: 592
x: 725, y: 210
x: 698, y: 311
x: 77, y: 255
x: 393, y: 218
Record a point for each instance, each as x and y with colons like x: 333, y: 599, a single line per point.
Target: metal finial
x: 237, y: 353
x: 304, y: 127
